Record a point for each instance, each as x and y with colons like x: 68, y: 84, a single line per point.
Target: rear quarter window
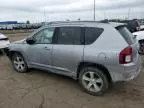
x: 91, y: 34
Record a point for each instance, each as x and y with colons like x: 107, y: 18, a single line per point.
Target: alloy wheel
x: 92, y: 81
x: 19, y: 63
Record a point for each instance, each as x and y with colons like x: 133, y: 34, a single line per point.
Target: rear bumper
x: 133, y: 73
x: 127, y: 72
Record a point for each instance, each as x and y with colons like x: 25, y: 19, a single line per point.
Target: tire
x: 93, y: 81
x: 19, y: 63
x: 141, y: 50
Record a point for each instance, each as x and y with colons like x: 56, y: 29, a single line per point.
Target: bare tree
x: 27, y: 22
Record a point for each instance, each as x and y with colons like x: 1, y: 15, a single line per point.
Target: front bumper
x: 4, y: 50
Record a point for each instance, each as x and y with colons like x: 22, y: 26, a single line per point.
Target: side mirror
x: 30, y: 40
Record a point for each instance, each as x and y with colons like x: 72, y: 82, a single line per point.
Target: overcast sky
x: 52, y: 10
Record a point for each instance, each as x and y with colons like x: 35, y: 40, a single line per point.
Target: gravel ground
x: 40, y: 89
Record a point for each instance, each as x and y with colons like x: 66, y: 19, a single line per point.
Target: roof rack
x: 58, y: 22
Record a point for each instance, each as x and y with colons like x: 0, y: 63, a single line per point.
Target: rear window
x: 91, y: 34
x: 127, y: 35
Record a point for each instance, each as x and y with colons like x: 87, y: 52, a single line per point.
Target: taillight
x: 125, y: 56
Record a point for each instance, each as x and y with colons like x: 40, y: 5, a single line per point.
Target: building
x: 8, y: 22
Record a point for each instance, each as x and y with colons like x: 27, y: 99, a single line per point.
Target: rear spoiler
x: 121, y: 26
x: 118, y: 25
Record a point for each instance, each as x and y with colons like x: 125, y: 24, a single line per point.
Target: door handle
x: 46, y: 48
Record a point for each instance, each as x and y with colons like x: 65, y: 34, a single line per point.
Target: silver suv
x: 97, y: 54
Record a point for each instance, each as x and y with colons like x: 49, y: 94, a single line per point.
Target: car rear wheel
x: 19, y: 63
x: 93, y: 81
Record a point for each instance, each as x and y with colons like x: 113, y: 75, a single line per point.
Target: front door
x: 39, y: 53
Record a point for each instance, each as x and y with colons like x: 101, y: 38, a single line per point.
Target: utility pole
x: 129, y: 11
x: 94, y: 10
x: 104, y: 15
x: 44, y: 15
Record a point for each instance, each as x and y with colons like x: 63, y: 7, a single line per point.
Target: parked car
x: 142, y: 27
x: 140, y: 37
x: 4, y: 42
x: 96, y: 54
x: 133, y: 25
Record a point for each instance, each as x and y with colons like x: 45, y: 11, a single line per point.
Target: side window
x: 91, y: 34
x: 44, y: 36
x: 69, y: 35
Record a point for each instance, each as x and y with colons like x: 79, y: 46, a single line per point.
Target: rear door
x: 68, y: 49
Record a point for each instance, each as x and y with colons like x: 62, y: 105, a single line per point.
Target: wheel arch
x: 99, y: 66
x: 12, y: 52
x: 11, y: 55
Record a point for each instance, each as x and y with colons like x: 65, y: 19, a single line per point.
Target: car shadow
x: 52, y: 76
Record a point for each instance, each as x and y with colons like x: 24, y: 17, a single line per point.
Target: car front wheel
x: 19, y: 63
x: 93, y: 81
